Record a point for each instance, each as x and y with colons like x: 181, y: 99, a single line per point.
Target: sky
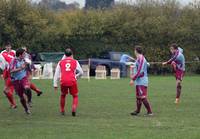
x: 82, y: 2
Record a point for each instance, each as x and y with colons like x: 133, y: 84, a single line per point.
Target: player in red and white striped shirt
x: 8, y: 55
x: 68, y: 70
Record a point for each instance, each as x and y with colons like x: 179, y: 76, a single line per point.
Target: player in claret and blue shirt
x: 178, y: 63
x: 19, y: 78
x: 140, y: 78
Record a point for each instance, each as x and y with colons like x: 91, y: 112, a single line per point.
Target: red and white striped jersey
x: 8, y: 56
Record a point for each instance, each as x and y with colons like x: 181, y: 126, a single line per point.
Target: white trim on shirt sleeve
x: 79, y: 69
x: 56, y: 75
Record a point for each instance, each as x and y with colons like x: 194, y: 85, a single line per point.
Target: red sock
x: 147, y: 105
x: 11, y: 99
x: 34, y: 88
x: 139, y: 104
x: 178, y: 91
x: 75, y: 103
x: 62, y: 103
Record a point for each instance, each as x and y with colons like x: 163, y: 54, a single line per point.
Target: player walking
x: 140, y: 78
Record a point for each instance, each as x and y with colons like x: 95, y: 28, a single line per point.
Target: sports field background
x: 103, y: 112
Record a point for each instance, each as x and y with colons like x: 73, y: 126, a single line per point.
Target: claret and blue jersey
x: 179, y: 59
x: 140, y: 71
x: 17, y: 63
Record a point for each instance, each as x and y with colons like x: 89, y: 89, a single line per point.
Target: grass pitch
x: 103, y: 112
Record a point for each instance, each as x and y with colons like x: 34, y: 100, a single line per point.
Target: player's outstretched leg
x: 62, y: 103
x: 147, y: 106
x: 34, y: 88
x: 74, y: 105
x: 138, y: 104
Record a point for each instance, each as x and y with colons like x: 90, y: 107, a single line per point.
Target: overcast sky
x: 82, y: 2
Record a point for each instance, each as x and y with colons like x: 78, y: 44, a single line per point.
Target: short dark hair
x: 68, y: 52
x: 174, y: 45
x: 138, y: 49
x: 19, y: 52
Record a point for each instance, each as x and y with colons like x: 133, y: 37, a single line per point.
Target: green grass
x: 103, y: 112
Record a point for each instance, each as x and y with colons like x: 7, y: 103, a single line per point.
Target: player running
x: 178, y: 63
x: 140, y: 78
x: 19, y: 78
x: 68, y: 70
x: 8, y: 86
x: 6, y: 57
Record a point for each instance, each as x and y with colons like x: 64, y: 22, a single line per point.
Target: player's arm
x: 14, y: 69
x: 172, y: 59
x: 79, y: 70
x: 141, y: 63
x: 56, y: 77
x: 17, y: 69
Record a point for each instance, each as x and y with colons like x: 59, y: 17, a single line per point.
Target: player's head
x: 68, y: 52
x: 138, y: 50
x: 173, y: 47
x: 7, y: 46
x: 20, y: 53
